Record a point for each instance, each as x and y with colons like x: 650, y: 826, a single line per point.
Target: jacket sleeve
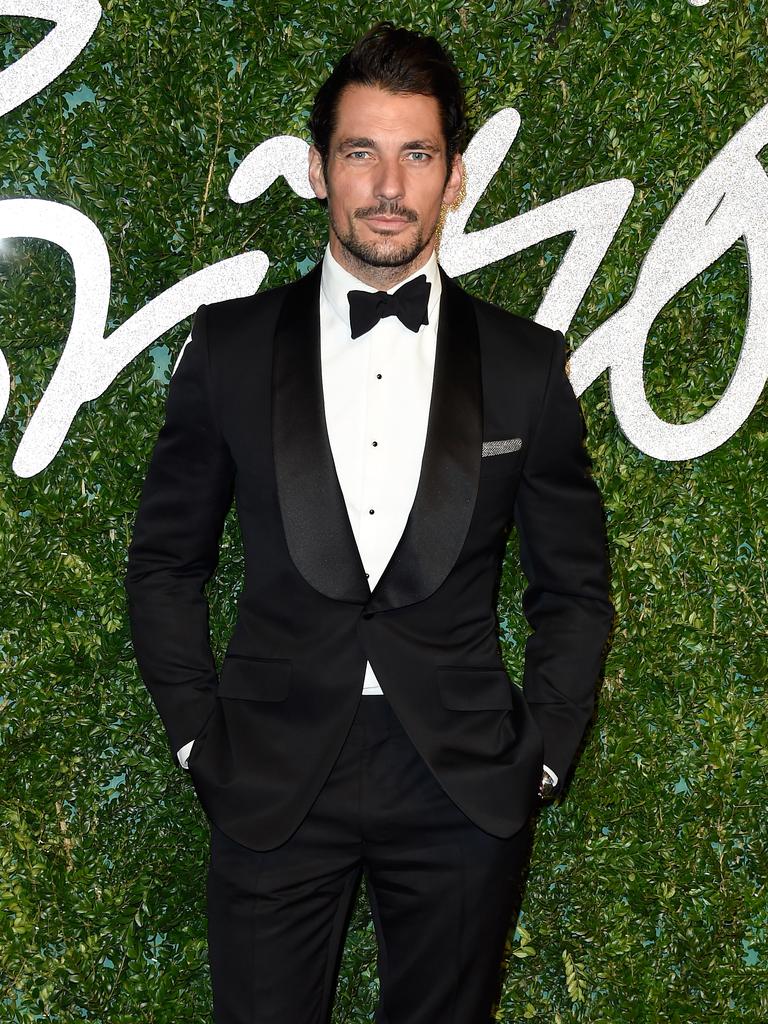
x: 175, y: 547
x: 559, y: 518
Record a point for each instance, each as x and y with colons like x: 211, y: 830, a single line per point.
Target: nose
x: 389, y: 182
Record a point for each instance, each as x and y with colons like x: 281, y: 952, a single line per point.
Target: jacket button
x: 368, y: 615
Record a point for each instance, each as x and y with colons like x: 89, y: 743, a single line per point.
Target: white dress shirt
x: 377, y: 390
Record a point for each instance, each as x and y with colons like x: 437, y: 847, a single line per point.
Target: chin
x: 384, y: 252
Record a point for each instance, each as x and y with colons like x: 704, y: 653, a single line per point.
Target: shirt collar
x: 336, y: 281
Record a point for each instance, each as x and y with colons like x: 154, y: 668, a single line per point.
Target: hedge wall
x: 646, y: 897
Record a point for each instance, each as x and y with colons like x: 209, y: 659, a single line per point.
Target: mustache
x: 388, y: 212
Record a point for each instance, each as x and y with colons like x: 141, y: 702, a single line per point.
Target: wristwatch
x: 546, y: 786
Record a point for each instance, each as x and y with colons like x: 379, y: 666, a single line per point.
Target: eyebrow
x: 370, y: 144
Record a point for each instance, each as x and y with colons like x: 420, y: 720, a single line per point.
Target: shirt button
x: 370, y: 511
x: 378, y: 376
x: 374, y: 443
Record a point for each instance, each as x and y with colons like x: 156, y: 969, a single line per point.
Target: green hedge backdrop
x: 646, y: 897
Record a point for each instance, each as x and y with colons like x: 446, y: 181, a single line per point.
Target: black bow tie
x: 408, y: 303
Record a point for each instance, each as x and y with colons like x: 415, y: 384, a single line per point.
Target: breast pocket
x: 502, y: 457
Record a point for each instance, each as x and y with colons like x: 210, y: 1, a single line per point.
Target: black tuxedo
x: 244, y: 416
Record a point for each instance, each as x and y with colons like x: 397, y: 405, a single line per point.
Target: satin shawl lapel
x: 317, y: 528
x: 319, y: 535
x: 450, y: 468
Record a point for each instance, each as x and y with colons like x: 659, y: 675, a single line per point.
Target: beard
x: 387, y: 250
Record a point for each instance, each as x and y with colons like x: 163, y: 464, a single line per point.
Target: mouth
x: 389, y: 222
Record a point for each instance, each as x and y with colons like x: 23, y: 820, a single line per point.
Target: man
x: 380, y: 444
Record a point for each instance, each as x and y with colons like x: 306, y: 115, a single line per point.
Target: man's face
x: 386, y: 178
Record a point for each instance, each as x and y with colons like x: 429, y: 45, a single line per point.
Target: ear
x: 315, y: 173
x: 453, y: 185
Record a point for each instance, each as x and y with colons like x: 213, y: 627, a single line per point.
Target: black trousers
x: 443, y: 895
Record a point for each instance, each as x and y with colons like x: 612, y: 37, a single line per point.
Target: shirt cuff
x: 551, y: 774
x: 183, y: 754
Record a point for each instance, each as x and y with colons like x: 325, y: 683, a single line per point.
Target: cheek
x: 348, y: 197
x: 430, y: 202
x: 340, y: 210
x: 431, y: 214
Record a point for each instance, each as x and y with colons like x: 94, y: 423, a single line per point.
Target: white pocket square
x: 512, y: 444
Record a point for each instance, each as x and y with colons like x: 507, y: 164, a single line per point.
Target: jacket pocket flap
x: 466, y: 688
x: 245, y: 678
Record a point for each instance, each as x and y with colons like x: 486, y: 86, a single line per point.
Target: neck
x: 381, y: 278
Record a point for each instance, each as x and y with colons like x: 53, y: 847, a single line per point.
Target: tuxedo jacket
x: 244, y: 419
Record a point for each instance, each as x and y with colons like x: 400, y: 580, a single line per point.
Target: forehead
x: 368, y: 110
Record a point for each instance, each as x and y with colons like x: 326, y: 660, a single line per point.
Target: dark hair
x: 399, y: 61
